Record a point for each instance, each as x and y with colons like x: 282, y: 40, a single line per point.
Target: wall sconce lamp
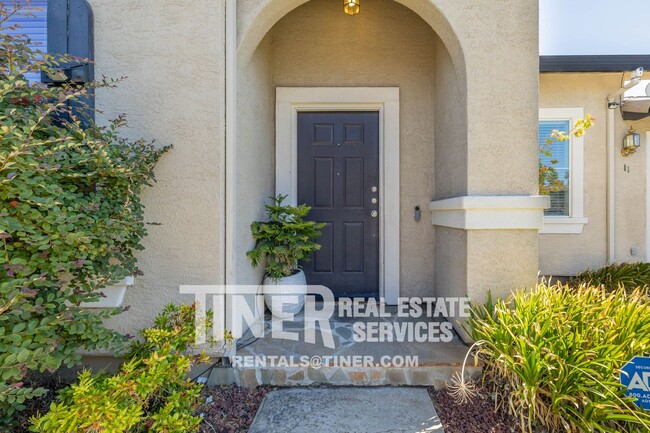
x: 351, y: 7
x: 631, y: 142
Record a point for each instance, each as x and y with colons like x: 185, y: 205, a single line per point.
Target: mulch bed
x: 477, y: 416
x: 35, y: 406
x: 40, y: 405
x: 231, y: 409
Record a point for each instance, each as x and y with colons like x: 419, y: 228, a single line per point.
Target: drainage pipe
x: 230, y: 102
x: 611, y: 184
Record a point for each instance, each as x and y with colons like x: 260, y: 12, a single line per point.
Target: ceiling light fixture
x: 351, y: 7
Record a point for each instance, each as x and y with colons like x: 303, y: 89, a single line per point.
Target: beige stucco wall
x: 450, y: 132
x: 500, y: 42
x: 493, y: 135
x: 450, y: 266
x: 468, y: 78
x: 511, y: 263
x: 255, y: 154
x: 174, y: 61
x: 568, y: 254
x: 451, y: 255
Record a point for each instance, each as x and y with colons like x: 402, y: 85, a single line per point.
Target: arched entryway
x: 388, y: 45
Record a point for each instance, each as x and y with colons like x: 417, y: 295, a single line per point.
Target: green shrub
x: 70, y: 220
x: 150, y: 393
x: 554, y: 355
x: 627, y: 275
x: 284, y: 240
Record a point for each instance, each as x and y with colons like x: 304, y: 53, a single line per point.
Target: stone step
x: 436, y: 376
x: 270, y: 360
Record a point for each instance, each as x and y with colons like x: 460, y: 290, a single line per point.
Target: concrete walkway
x: 347, y: 410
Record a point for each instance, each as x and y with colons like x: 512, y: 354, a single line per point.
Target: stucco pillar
x: 486, y: 212
x: 486, y: 244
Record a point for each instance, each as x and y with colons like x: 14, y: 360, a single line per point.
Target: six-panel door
x: 338, y: 176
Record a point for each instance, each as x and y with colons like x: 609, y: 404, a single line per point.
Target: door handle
x: 374, y: 214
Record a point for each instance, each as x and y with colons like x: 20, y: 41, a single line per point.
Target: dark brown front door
x: 338, y: 176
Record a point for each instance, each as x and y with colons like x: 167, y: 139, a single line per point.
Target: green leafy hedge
x: 554, y: 354
x: 70, y: 219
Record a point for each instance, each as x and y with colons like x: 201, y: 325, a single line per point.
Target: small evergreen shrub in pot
x: 284, y: 241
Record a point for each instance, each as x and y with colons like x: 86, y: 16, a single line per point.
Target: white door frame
x: 385, y: 100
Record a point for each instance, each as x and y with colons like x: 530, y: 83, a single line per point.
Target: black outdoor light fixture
x: 351, y: 7
x: 631, y: 142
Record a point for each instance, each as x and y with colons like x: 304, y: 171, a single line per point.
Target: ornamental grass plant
x: 553, y: 356
x: 611, y: 277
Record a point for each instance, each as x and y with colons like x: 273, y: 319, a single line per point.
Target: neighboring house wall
x: 174, y: 60
x: 569, y: 254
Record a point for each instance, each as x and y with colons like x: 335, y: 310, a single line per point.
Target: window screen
x: 556, y: 182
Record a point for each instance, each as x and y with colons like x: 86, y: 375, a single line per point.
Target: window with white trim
x: 555, y: 159
x: 563, y: 162
x: 31, y: 20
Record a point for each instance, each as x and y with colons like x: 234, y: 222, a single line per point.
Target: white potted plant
x: 112, y: 295
x: 284, y: 240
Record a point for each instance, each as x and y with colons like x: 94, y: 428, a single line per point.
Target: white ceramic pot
x: 285, y: 297
x: 113, y: 295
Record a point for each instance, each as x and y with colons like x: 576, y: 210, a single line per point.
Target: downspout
x: 230, y: 137
x: 611, y: 184
x: 229, y: 184
x: 613, y: 102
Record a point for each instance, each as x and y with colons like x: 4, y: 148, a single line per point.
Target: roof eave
x: 593, y: 63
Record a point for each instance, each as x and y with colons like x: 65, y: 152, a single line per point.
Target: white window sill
x: 563, y: 225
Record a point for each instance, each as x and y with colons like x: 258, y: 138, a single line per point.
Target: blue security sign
x: 636, y: 377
